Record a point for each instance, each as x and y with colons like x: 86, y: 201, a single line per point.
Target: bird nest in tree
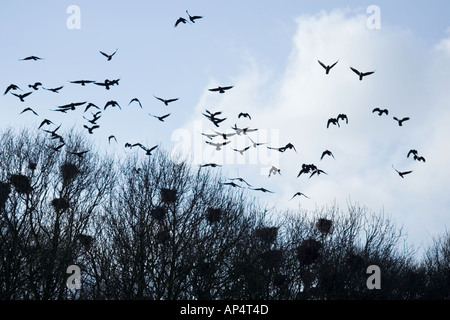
x: 168, y: 195
x: 267, y: 234
x: 32, y: 165
x: 158, y: 213
x: 213, y: 215
x: 324, y: 226
x: 69, y: 171
x: 309, y: 251
x: 5, y: 190
x: 85, y: 240
x: 21, y: 183
x: 60, y: 204
x: 162, y: 236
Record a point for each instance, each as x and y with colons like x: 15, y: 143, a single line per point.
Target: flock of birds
x: 216, y: 118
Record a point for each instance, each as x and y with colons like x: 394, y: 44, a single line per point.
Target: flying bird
x: 180, y: 20
x: 96, y: 117
x: 419, y: 158
x: 82, y: 82
x: 22, y: 96
x: 209, y: 135
x: 221, y: 89
x: 193, y: 18
x: 306, y: 168
x: 11, y: 87
x: 245, y: 115
x: 218, y: 145
x: 110, y: 138
x: 318, y: 172
x: 28, y: 109
x: 91, y: 105
x: 35, y: 86
x: 148, y: 151
x: 213, y: 117
x: 361, y: 74
x: 241, y: 180
x: 333, y: 121
x: 57, y: 148
x: 401, y: 174
x: 55, y: 90
x: 112, y: 103
x: 262, y: 190
x: 212, y: 165
x: 91, y: 129
x: 400, y: 121
x: 412, y: 152
x: 166, y: 101
x: 136, y: 100
x: 255, y: 144
x: 108, y: 56
x: 327, y: 153
x: 380, y: 111
x: 45, y: 122
x: 160, y: 118
x: 31, y: 58
x: 327, y: 68
x: 234, y: 185
x: 342, y: 117
x: 299, y: 194
x: 225, y: 135
x: 274, y: 170
x: 242, y: 150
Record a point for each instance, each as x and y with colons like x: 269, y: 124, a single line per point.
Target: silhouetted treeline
x: 149, y: 227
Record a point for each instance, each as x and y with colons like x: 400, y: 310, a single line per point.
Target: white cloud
x: 409, y: 80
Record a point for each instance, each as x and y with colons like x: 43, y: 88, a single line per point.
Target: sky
x: 268, y: 51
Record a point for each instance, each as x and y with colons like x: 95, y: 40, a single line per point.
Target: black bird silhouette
x: 400, y: 121
x: 401, y: 174
x: 218, y: 145
x: 180, y: 20
x: 212, y: 117
x: 306, y: 168
x: 412, y: 152
x: 242, y: 150
x: 209, y: 135
x: 234, y: 185
x: 225, y: 135
x: 318, y: 172
x: 53, y: 133
x: 245, y: 115
x: 35, y: 86
x: 136, y: 100
x: 380, y: 111
x: 57, y: 148
x: 45, y: 122
x: 327, y: 153
x: 193, y: 18
x: 333, y: 121
x: 71, y: 106
x: 166, y: 101
x: 22, y: 96
x: 221, y: 89
x: 96, y: 116
x: 241, y: 180
x: 11, y: 87
x: 361, y: 74
x: 419, y: 158
x: 147, y: 150
x: 327, y: 68
x: 111, y: 137
x: 91, y: 129
x: 299, y: 194
x: 342, y: 117
x: 283, y: 149
x: 31, y: 58
x: 55, y: 90
x: 28, y: 109
x: 107, y: 84
x: 212, y: 165
x: 82, y: 82
x: 112, y: 103
x: 160, y: 118
x: 91, y: 105
x: 262, y: 190
x: 108, y: 56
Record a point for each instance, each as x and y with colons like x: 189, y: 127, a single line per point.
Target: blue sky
x: 268, y: 50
